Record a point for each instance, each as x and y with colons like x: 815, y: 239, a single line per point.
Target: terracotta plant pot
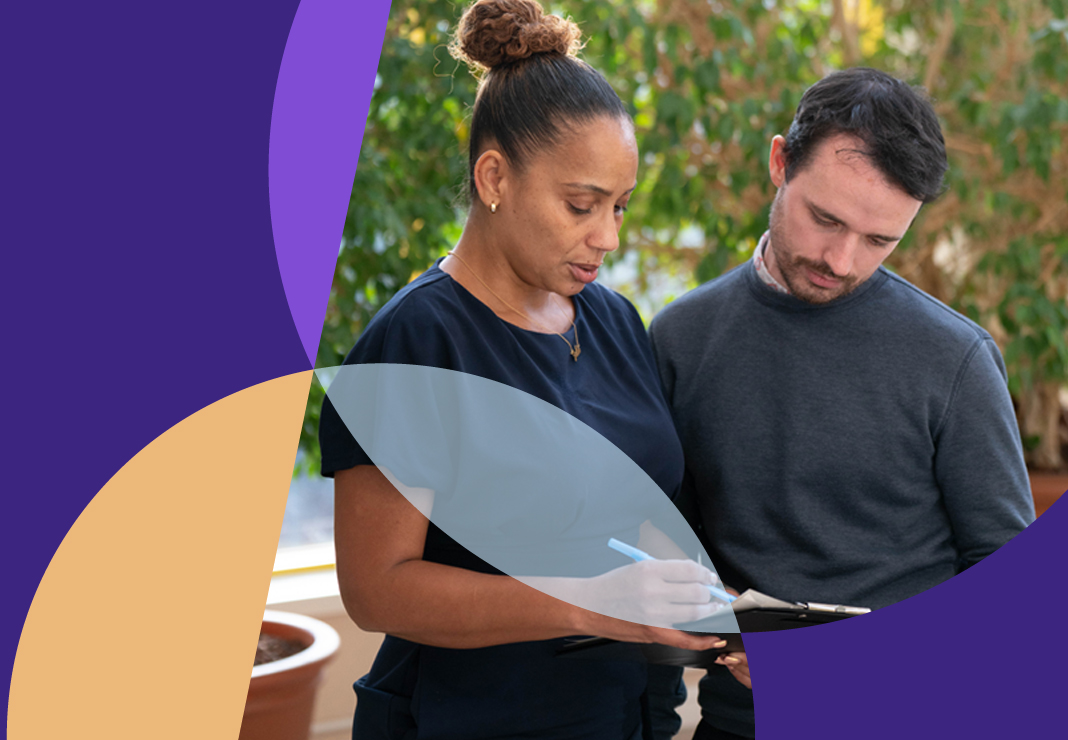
x: 1046, y: 488
x: 281, y: 694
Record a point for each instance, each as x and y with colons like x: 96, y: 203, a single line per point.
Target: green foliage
x: 1037, y: 326
x: 405, y: 209
x: 708, y: 85
x: 1001, y: 87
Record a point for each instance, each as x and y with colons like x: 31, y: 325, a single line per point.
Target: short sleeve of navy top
x: 614, y: 388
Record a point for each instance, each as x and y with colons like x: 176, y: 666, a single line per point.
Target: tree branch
x: 938, y: 53
x: 850, y: 42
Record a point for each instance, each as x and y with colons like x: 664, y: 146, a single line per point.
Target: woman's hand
x: 738, y: 665
x: 618, y: 629
x: 640, y: 602
x: 659, y: 593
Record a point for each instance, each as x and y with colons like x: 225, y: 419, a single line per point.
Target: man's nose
x: 840, y: 254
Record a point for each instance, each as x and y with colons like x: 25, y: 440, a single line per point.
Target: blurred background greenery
x: 708, y: 84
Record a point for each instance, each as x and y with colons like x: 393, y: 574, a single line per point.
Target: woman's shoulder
x: 610, y: 307
x: 429, y: 303
x: 425, y: 294
x: 603, y: 298
x: 414, y: 326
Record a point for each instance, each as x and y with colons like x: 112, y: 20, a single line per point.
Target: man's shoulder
x: 699, y: 302
x: 923, y: 313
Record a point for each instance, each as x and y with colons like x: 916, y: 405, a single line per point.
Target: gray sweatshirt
x: 857, y: 452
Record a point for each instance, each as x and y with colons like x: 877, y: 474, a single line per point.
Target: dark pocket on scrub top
x: 381, y: 715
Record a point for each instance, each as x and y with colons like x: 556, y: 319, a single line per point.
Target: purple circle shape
x: 320, y: 108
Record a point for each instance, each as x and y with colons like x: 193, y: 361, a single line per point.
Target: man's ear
x: 490, y: 172
x: 777, y: 161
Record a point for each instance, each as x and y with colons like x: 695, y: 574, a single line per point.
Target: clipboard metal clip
x: 835, y: 608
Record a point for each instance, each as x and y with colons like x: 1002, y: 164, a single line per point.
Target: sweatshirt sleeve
x: 661, y: 357
x: 979, y: 461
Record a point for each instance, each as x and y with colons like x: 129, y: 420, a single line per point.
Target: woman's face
x: 561, y: 214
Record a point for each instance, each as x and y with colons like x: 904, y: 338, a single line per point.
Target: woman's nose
x: 606, y: 235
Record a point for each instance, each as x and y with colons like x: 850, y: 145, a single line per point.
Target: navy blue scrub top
x: 519, y: 689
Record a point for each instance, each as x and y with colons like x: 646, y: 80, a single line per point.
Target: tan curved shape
x: 145, y: 623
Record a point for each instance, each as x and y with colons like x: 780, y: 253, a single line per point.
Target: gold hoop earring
x: 493, y: 207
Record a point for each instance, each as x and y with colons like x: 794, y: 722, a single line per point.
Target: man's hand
x: 738, y: 665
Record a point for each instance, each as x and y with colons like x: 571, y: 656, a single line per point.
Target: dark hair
x: 533, y: 89
x: 898, y: 127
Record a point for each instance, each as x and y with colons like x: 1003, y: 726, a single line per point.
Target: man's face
x: 835, y: 222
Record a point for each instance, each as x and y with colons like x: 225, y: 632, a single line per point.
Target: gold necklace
x: 575, y: 349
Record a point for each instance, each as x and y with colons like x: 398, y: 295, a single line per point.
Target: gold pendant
x: 575, y: 352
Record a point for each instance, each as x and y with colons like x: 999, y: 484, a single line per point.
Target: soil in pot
x: 272, y: 647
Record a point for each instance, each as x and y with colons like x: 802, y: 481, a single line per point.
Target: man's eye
x: 579, y: 211
x: 621, y: 210
x: 823, y: 221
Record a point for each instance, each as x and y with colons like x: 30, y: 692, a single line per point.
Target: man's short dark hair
x: 898, y: 127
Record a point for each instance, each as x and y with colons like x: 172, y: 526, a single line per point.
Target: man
x: 848, y: 438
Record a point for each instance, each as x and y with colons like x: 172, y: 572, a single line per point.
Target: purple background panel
x: 320, y: 108
x: 979, y: 656
x: 140, y: 282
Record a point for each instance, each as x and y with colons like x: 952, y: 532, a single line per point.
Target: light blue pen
x: 639, y: 555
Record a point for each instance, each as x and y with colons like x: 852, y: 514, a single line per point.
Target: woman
x: 469, y: 652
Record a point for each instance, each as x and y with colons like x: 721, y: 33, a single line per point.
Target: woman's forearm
x: 388, y: 587
x: 440, y: 605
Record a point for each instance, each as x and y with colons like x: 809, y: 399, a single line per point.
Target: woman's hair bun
x: 496, y: 32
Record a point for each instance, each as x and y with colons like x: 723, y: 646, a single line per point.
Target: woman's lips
x: 584, y: 273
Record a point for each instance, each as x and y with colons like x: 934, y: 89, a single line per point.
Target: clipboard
x: 753, y: 612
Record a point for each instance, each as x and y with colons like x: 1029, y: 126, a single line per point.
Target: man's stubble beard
x: 792, y: 268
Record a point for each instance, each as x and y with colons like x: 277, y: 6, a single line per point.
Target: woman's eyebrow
x: 596, y: 188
